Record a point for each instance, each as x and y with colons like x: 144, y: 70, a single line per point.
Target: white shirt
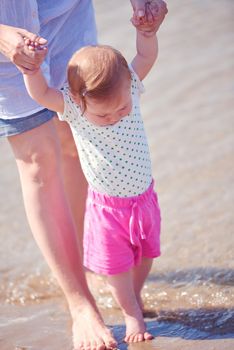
x: 115, y: 158
x: 66, y: 24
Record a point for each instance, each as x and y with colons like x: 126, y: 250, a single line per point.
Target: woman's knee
x: 37, y: 153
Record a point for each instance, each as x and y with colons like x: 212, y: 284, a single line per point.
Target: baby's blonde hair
x: 95, y: 71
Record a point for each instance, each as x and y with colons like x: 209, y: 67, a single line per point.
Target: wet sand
x: 188, y: 111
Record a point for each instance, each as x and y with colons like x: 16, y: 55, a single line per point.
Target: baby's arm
x: 146, y: 41
x: 39, y: 90
x: 147, y: 52
x: 46, y: 96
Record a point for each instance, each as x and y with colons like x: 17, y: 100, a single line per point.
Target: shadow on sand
x: 191, y: 324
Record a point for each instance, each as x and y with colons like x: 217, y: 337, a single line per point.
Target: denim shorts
x: 10, y: 127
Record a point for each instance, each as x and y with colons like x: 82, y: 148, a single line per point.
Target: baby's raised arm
x: 38, y: 88
x: 147, y: 52
x: 146, y: 40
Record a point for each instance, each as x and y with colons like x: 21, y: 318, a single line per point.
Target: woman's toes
x: 110, y: 342
x: 100, y: 346
x: 148, y: 336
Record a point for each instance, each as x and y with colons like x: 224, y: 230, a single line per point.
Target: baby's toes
x: 138, y: 338
x: 128, y: 338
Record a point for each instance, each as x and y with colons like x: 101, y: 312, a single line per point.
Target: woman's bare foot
x: 135, y: 328
x: 90, y: 332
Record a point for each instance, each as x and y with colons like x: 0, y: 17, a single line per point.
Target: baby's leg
x: 140, y: 274
x: 122, y: 288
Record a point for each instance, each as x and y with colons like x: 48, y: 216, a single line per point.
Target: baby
x: 101, y: 103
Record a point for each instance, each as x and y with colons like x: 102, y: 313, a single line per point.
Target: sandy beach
x: 188, y: 108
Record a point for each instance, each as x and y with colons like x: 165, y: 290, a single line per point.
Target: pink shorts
x: 119, y: 231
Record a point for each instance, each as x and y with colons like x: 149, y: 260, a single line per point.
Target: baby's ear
x: 78, y: 100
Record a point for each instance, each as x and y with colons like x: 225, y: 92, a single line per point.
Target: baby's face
x: 110, y: 112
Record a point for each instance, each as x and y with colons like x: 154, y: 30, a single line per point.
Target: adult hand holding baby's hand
x: 148, y: 15
x: 12, y: 45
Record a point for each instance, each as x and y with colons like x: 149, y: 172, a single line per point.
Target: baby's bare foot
x: 135, y: 329
x: 89, y: 331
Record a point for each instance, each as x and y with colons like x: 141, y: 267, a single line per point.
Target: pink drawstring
x: 134, y: 231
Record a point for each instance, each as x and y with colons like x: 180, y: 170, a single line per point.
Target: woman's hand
x: 12, y: 45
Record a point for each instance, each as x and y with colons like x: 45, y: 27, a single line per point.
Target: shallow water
x: 188, y: 108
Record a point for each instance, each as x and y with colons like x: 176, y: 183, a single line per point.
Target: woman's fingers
x: 149, y: 13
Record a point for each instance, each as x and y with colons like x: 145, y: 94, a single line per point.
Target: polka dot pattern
x: 115, y: 158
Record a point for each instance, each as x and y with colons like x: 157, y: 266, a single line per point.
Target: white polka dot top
x: 115, y: 158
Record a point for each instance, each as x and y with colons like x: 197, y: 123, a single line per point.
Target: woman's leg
x: 122, y: 288
x: 73, y: 177
x: 37, y: 154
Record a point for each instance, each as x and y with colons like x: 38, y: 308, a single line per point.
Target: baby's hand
x: 37, y: 49
x: 148, y: 21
